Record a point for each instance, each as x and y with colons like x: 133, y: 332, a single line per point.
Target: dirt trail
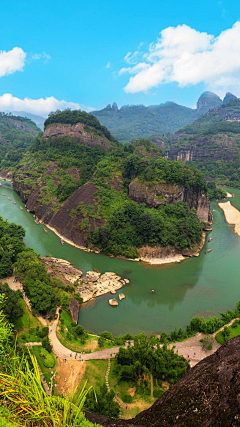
x: 71, y: 371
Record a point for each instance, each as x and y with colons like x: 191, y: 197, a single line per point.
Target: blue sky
x: 74, y: 52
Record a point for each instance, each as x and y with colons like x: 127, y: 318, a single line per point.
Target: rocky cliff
x: 154, y: 195
x: 207, y: 396
x: 61, y: 217
x: 208, y: 99
x: 78, y: 132
x: 214, y: 136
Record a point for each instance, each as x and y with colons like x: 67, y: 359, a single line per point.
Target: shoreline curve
x: 232, y: 215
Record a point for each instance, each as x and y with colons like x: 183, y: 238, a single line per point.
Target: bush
x: 48, y: 359
x: 78, y: 297
x: 44, y: 332
x: 126, y: 398
x: 79, y: 330
x: 235, y: 324
x: 46, y: 344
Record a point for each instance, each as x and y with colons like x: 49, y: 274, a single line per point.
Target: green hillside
x: 137, y: 121
x: 61, y: 170
x: 211, y: 143
x: 16, y: 135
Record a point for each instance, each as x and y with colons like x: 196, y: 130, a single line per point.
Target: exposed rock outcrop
x: 74, y: 309
x: 77, y: 132
x: 228, y: 97
x: 162, y: 194
x: 208, y: 99
x: 113, y: 302
x: 62, y: 269
x: 208, y: 395
x: 169, y: 254
x: 95, y: 284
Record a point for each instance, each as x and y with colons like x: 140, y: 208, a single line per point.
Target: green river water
x: 202, y: 286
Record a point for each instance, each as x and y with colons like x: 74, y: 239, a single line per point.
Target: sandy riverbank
x: 229, y: 195
x: 232, y: 215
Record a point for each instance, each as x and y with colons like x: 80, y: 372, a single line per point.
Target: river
x: 202, y: 286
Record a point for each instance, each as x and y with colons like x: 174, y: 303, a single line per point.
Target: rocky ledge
x: 169, y: 254
x: 91, y: 285
x: 94, y: 284
x: 62, y: 269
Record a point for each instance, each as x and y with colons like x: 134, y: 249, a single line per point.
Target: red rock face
x: 76, y: 131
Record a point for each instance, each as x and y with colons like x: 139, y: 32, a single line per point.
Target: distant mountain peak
x: 208, y: 99
x: 229, y: 97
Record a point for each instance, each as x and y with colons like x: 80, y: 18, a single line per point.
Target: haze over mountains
x: 137, y: 121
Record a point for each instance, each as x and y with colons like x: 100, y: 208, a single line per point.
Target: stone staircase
x: 107, y: 383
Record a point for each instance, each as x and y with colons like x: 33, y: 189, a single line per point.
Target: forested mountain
x: 138, y: 121
x: 211, y: 143
x: 16, y: 135
x: 36, y: 119
x: 94, y: 191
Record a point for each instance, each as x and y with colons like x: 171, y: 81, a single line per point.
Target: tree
x: 79, y: 330
x: 12, y: 307
x: 42, y: 296
x: 104, y: 404
x: 6, y: 267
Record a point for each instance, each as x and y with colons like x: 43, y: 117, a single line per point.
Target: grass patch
x: 46, y: 371
x: 234, y: 332
x: 94, y: 374
x: 26, y: 325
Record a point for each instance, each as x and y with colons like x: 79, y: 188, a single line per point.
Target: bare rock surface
x: 94, y: 284
x: 78, y: 132
x: 62, y: 269
x: 121, y: 297
x: 74, y: 309
x: 113, y: 302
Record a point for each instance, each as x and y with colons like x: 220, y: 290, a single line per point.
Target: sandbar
x: 232, y: 215
x: 229, y: 194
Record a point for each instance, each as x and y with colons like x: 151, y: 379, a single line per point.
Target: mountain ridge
x: 138, y: 121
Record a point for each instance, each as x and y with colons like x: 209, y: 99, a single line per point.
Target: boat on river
x: 207, y: 251
x: 45, y: 231
x: 21, y: 208
x: 37, y: 222
x: 62, y: 241
x: 210, y: 239
x: 14, y: 203
x: 3, y: 194
x: 9, y: 198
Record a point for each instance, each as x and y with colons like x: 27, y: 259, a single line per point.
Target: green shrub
x: 126, y: 398
x: 235, y: 324
x: 49, y: 361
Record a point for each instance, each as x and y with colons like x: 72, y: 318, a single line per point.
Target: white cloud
x: 188, y: 57
x: 108, y: 65
x: 11, y: 61
x: 133, y: 70
x: 42, y: 55
x: 41, y: 107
